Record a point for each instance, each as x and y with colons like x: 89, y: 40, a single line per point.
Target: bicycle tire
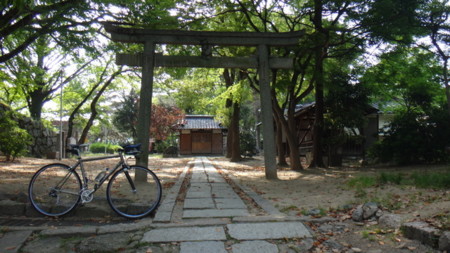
x: 129, y: 203
x: 54, y: 190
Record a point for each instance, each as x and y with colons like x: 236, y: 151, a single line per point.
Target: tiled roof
x: 199, y: 122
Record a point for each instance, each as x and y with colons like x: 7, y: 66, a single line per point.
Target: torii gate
x: 262, y: 62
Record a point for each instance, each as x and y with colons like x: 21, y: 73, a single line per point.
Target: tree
x: 405, y: 79
x: 164, y: 121
x: 39, y: 72
x: 102, y: 84
x: 435, y: 20
x: 125, y: 114
x: 26, y: 21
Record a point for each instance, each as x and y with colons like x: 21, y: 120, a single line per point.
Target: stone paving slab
x: 70, y: 231
x: 164, y: 212
x: 268, y: 230
x: 198, y: 194
x: 202, y: 247
x: 181, y: 234
x: 230, y: 204
x: 225, y: 194
x: 13, y: 241
x: 254, y: 246
x: 207, y: 203
x: 216, y: 213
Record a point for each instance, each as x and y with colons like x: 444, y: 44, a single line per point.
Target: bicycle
x: 133, y: 191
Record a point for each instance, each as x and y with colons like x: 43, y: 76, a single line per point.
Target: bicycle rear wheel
x: 54, y: 190
x: 134, y: 198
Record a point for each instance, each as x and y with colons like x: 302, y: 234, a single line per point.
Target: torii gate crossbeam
x: 263, y: 62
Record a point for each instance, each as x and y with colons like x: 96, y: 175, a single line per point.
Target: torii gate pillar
x: 266, y: 108
x: 145, y: 102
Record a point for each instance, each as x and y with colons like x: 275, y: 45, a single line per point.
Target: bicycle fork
x: 130, y: 180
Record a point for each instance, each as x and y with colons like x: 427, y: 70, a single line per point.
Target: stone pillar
x: 267, y: 114
x: 145, y: 103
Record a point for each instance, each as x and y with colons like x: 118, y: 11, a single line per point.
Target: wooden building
x: 357, y: 144
x: 201, y: 134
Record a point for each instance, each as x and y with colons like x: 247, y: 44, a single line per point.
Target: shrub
x: 247, y: 144
x: 99, y: 147
x: 161, y: 146
x: 13, y: 140
x: 415, y: 137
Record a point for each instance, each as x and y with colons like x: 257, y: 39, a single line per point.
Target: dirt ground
x: 297, y: 193
x: 15, y: 176
x: 327, y: 190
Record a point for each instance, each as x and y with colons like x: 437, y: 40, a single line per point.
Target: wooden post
x: 266, y: 108
x: 145, y: 105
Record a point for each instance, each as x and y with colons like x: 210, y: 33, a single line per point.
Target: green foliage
x: 415, y: 137
x: 362, y: 182
x: 431, y: 180
x: 405, y: 78
x: 247, y: 143
x: 125, y: 115
x: 13, y: 140
x: 102, y: 147
x: 422, y: 179
x: 391, y: 20
x: 395, y: 178
x: 161, y: 146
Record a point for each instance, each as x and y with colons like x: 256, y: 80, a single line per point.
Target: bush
x: 415, y: 137
x: 99, y: 147
x: 161, y: 146
x: 247, y: 144
x: 13, y: 140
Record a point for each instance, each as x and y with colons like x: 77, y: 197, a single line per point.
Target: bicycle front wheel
x: 54, y: 190
x: 134, y: 197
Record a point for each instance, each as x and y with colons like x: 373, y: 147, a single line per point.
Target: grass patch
x: 434, y: 180
x: 362, y: 182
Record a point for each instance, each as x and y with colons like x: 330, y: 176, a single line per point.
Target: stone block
x: 208, y: 246
x: 268, y: 230
x: 181, y: 234
x: 422, y: 232
x: 390, y: 220
x: 444, y: 241
x: 255, y: 246
x: 13, y: 241
x: 9, y: 207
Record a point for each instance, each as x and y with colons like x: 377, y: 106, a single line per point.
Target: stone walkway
x: 202, y: 212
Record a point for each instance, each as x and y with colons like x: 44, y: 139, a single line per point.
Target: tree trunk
x: 83, y: 137
x: 294, y: 154
x: 229, y: 143
x: 289, y: 128
x: 318, y: 74
x: 228, y: 104
x: 77, y: 108
x: 36, y: 103
x: 236, y: 150
x: 446, y: 81
x: 280, y: 146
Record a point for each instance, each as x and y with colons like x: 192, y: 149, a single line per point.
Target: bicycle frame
x: 85, y: 181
